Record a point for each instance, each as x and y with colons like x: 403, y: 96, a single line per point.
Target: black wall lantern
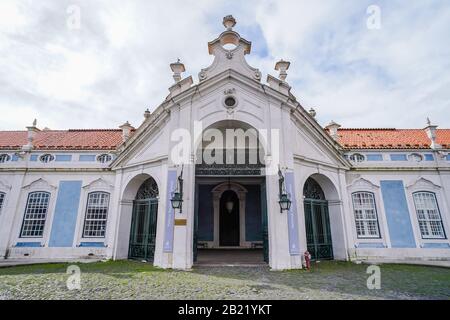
x: 285, y: 201
x: 177, y: 195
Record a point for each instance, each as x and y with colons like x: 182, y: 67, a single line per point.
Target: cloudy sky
x: 116, y: 64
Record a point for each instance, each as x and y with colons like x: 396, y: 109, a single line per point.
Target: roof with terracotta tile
x: 390, y: 138
x: 92, y: 139
x: 110, y: 139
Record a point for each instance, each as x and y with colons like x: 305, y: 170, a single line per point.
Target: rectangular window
x: 2, y: 200
x: 428, y: 215
x: 366, y: 218
x: 429, y: 157
x: 398, y: 157
x: 63, y: 158
x: 34, y: 157
x: 96, y: 215
x: 87, y: 157
x: 35, y: 215
x: 448, y: 157
x: 374, y: 157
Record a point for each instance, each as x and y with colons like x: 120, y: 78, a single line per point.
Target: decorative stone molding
x: 99, y: 183
x: 230, y: 91
x: 282, y: 66
x: 229, y: 101
x: 40, y: 184
x: 362, y: 183
x: 422, y: 183
x: 226, y: 58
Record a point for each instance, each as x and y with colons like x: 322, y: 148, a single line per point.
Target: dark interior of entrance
x: 229, y: 219
x: 242, y: 222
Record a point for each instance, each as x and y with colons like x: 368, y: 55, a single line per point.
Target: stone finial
x: 312, y: 112
x: 229, y: 22
x: 177, y: 69
x: 147, y: 114
x: 126, y: 131
x: 31, y: 135
x: 282, y: 66
x: 333, y: 128
x: 430, y: 129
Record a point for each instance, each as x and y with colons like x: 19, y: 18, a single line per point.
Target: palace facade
x: 229, y: 162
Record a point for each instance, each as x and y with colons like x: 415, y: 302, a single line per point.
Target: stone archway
x: 126, y: 214
x: 327, y: 200
x: 144, y: 222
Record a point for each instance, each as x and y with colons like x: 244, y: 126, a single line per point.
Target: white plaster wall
x: 38, y: 181
x: 434, y: 182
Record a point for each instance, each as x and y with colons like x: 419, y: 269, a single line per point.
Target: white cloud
x: 117, y: 64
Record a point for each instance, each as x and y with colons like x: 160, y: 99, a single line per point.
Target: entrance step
x: 230, y: 258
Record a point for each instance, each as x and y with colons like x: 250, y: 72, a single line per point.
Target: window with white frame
x: 428, y: 215
x: 366, y: 218
x: 96, y: 215
x: 2, y: 200
x: 35, y: 215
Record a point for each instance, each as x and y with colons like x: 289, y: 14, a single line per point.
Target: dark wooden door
x: 229, y: 221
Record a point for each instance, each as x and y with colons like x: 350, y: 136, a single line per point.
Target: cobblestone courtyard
x: 133, y: 280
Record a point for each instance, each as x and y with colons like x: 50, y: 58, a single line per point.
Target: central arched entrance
x: 143, y: 222
x: 229, y: 224
x: 317, y: 222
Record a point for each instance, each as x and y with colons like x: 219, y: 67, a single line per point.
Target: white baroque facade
x: 355, y: 193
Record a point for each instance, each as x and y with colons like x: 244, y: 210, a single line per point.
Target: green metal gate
x: 265, y: 229
x: 195, y: 236
x: 143, y: 230
x: 318, y: 232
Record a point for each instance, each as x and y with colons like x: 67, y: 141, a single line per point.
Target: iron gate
x: 143, y: 230
x: 318, y: 232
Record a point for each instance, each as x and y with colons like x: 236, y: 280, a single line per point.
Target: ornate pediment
x: 40, y: 184
x: 360, y: 182
x: 229, y: 51
x: 99, y: 183
x: 422, y: 183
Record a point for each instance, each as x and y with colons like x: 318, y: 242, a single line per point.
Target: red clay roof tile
x: 110, y: 139
x: 103, y: 139
x: 390, y: 138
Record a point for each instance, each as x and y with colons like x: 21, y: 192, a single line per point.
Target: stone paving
x: 133, y: 280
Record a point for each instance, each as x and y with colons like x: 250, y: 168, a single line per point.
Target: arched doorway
x: 230, y: 162
x: 143, y: 222
x: 317, y: 221
x: 229, y: 219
